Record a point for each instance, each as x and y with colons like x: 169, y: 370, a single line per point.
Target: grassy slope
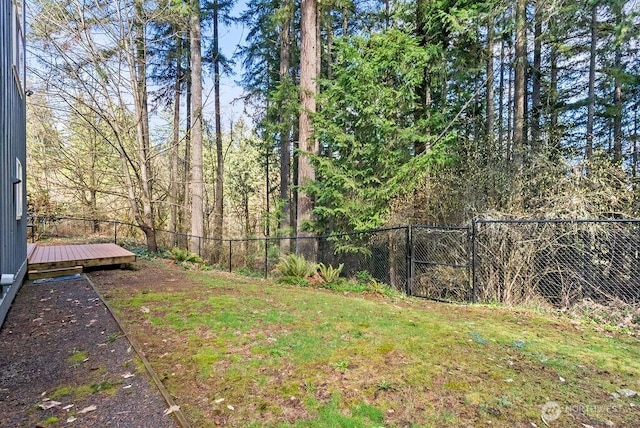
x: 290, y: 355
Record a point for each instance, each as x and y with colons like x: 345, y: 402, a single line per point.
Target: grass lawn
x: 244, y: 352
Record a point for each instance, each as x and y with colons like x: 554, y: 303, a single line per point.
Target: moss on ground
x: 242, y: 351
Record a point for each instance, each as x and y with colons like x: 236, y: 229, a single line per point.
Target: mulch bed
x: 64, y: 362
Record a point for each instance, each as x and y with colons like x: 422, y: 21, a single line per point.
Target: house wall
x: 13, y: 235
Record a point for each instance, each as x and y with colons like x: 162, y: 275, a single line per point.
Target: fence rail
x: 557, y: 262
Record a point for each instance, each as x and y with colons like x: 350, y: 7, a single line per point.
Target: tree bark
x: 554, y: 136
x: 635, y: 146
x: 139, y: 81
x: 617, y: 95
x: 285, y: 127
x: 186, y: 199
x: 592, y: 82
x: 537, y: 79
x: 307, y: 246
x: 519, y: 86
x: 489, y: 124
x: 218, y: 212
x: 197, y: 182
x: 173, y: 173
x: 424, y: 88
x: 501, y: 98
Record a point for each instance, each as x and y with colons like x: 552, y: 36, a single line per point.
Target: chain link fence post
x: 266, y: 258
x: 409, y: 260
x: 474, y: 260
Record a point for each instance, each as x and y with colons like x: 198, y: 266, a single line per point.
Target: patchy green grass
x: 79, y: 392
x: 51, y: 420
x: 242, y: 352
x: 77, y: 357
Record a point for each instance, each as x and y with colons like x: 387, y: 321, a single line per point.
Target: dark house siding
x: 13, y: 241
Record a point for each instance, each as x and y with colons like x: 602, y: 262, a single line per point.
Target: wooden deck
x: 47, y: 261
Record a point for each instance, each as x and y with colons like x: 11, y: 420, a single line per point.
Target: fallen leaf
x: 230, y: 407
x: 67, y: 407
x: 171, y: 409
x: 71, y: 419
x: 628, y: 393
x: 87, y: 410
x: 219, y: 400
x: 49, y: 404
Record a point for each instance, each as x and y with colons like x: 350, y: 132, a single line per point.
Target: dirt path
x: 64, y: 362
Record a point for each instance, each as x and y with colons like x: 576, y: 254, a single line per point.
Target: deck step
x: 50, y: 273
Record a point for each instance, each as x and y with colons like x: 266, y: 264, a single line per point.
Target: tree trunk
x: 617, y: 95
x: 139, y: 81
x: 501, y: 98
x: 635, y: 145
x: 218, y: 212
x: 519, y: 86
x: 592, y: 82
x: 424, y: 88
x: 345, y: 21
x: 308, y: 143
x: 186, y: 202
x: 294, y: 178
x: 173, y: 173
x: 197, y: 182
x: 554, y: 135
x: 285, y: 127
x: 617, y: 119
x: 537, y: 78
x: 489, y: 124
x: 508, y: 106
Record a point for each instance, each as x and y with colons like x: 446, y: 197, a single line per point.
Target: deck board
x: 53, y: 258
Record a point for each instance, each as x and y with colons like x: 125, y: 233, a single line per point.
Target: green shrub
x: 294, y: 280
x: 364, y: 277
x: 376, y: 287
x: 250, y: 272
x: 296, y: 266
x: 329, y: 274
x: 142, y: 252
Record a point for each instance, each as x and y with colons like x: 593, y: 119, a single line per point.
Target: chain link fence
x: 440, y: 263
x: 558, y: 262
x: 512, y: 262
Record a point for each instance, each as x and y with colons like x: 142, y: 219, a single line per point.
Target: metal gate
x: 440, y: 263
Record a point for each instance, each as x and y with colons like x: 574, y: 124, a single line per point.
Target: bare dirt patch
x: 64, y: 361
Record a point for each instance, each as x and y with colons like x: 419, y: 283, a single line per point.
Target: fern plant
x: 181, y: 255
x: 329, y: 274
x: 294, y: 266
